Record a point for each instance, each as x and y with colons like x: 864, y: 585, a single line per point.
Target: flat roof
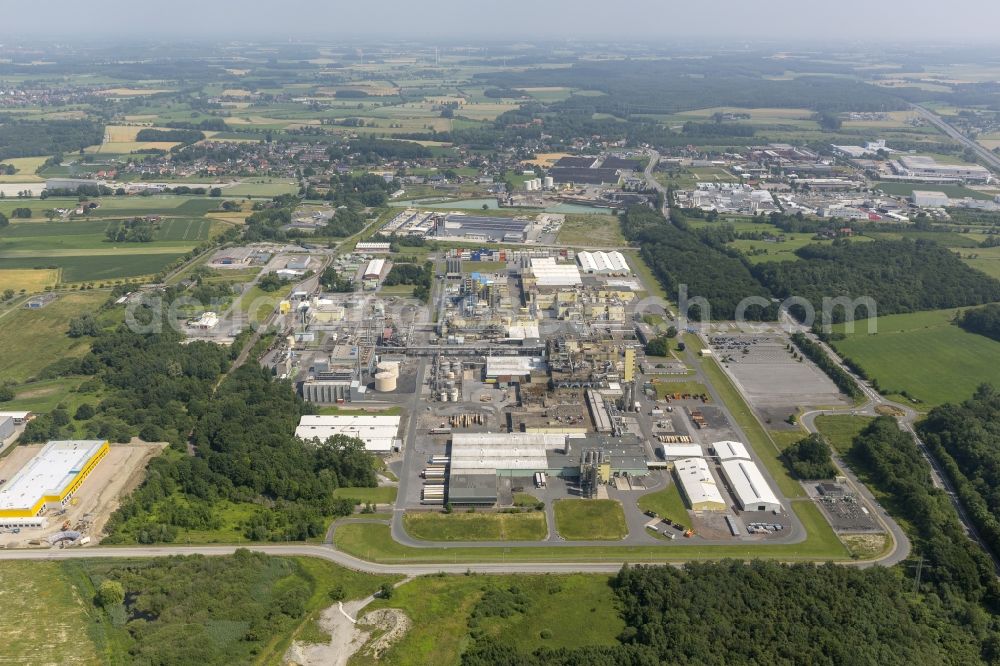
x: 681, y: 450
x: 748, y: 484
x: 378, y: 432
x: 731, y: 450
x: 493, y: 451
x: 550, y: 274
x: 697, y: 481
x: 49, y: 473
x: 519, y: 366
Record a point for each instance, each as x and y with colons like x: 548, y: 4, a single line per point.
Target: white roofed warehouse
x: 48, y: 481
x: 749, y: 487
x: 379, y: 433
x: 698, y: 485
x: 731, y: 450
x: 603, y: 263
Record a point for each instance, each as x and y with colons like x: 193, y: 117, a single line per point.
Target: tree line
x: 966, y: 439
x: 984, y: 320
x: 817, y: 355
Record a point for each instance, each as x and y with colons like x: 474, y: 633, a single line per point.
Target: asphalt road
x: 936, y: 120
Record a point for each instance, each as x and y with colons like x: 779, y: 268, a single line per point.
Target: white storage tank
x: 392, y: 367
x: 548, y: 182
x: 385, y: 382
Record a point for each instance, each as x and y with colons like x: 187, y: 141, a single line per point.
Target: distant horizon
x: 888, y: 22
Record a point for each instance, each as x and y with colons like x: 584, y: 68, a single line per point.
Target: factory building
x: 678, y: 451
x: 478, y: 460
x: 598, y: 411
x: 547, y: 273
x: 928, y: 199
x: 698, y: 486
x: 749, y: 487
x: 925, y: 167
x: 48, y: 481
x: 19, y: 418
x: 483, y: 228
x: 603, y: 263
x: 374, y: 273
x: 513, y: 368
x: 379, y: 433
x: 731, y: 451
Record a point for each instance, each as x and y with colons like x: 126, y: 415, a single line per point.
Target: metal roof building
x: 374, y: 269
x: 749, y: 486
x: 377, y: 432
x: 550, y: 274
x: 603, y: 263
x: 698, y: 485
x: 674, y: 451
x: 731, y: 451
x: 48, y: 480
x: 512, y: 366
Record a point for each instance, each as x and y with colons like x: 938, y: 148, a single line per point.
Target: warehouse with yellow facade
x: 48, y: 481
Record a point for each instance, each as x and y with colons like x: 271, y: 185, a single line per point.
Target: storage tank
x: 385, y: 382
x: 454, y: 395
x: 548, y: 182
x: 391, y: 367
x: 538, y: 183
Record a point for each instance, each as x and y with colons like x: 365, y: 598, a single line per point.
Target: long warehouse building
x: 48, y: 481
x: 749, y: 487
x: 698, y: 485
x: 379, y: 433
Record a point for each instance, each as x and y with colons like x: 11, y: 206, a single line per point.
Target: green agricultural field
x: 577, y: 610
x: 46, y: 620
x: 924, y: 354
x: 590, y: 520
x: 97, y: 268
x: 840, y: 431
x: 985, y: 259
x: 377, y: 495
x: 667, y: 503
x: 524, y: 526
x: 32, y: 339
x: 953, y: 191
x: 591, y: 231
x: 265, y: 188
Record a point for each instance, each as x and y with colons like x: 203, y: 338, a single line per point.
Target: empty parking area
x: 772, y: 378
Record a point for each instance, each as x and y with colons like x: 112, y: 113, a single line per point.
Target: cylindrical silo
x: 385, y: 382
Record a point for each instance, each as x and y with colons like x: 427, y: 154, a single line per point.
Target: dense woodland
x: 233, y: 443
x: 984, y: 320
x: 24, y: 138
x: 678, y: 257
x: 899, y: 275
x: 809, y: 458
x: 769, y: 613
x: 966, y: 439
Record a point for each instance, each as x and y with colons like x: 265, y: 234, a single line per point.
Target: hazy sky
x: 773, y: 20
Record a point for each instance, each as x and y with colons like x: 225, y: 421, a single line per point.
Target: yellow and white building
x: 48, y: 481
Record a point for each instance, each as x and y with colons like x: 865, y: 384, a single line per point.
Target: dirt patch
x: 886, y: 410
x: 99, y: 496
x: 347, y: 638
x: 865, y: 545
x: 393, y: 625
